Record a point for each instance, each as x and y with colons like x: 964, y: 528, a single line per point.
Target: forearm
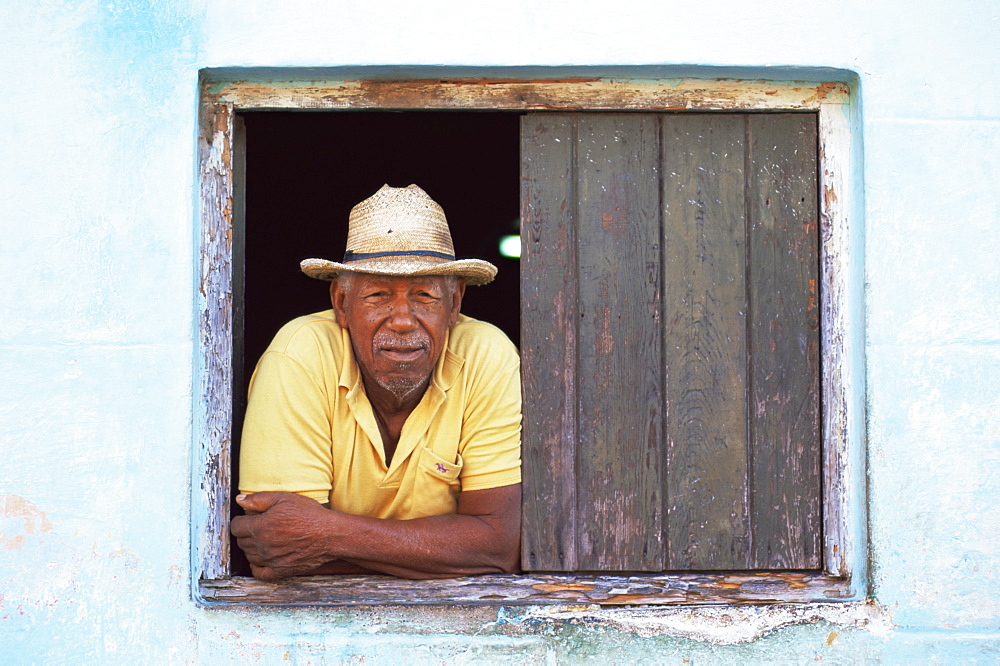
x: 431, y: 547
x: 363, y: 567
x: 285, y: 534
x: 339, y: 567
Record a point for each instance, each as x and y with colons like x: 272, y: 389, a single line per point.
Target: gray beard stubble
x: 401, y: 387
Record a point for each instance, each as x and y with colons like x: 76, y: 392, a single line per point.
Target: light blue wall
x: 97, y: 269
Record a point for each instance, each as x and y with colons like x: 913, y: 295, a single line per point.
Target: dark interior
x: 306, y: 170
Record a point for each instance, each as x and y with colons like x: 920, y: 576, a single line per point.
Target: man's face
x: 397, y: 325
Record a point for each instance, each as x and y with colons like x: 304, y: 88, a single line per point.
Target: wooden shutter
x: 670, y: 342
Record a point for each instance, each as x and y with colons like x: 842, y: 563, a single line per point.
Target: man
x: 384, y: 435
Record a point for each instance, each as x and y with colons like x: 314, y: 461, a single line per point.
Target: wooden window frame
x: 219, y: 298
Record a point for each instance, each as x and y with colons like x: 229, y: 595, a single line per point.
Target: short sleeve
x: 491, y: 430
x: 286, y: 443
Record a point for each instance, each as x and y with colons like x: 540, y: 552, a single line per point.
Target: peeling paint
x: 717, y: 625
x: 828, y: 89
x: 516, y: 93
x: 21, y: 519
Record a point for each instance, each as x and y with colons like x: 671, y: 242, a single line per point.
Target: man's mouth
x: 403, y: 354
x: 401, y: 350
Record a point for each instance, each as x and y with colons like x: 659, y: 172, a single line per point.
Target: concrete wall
x: 97, y: 330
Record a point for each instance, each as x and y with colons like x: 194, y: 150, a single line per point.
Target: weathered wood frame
x: 220, y: 284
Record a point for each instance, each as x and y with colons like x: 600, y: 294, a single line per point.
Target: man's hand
x: 282, y: 534
x: 293, y: 535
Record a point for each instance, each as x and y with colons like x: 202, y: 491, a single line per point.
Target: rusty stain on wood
x: 829, y: 196
x: 826, y: 89
x: 626, y: 599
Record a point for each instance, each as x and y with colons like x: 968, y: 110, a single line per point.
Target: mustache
x: 415, y: 341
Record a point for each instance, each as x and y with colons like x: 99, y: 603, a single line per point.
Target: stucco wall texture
x: 98, y: 203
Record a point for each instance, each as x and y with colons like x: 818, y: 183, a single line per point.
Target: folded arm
x: 285, y: 534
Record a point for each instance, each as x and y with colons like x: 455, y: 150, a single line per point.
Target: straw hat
x: 400, y: 231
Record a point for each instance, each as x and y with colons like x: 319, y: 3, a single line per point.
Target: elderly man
x: 384, y: 435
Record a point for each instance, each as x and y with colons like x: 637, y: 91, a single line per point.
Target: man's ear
x: 456, y: 303
x: 337, y: 298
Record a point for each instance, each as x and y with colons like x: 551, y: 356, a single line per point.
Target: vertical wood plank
x: 784, y: 341
x: 705, y: 350
x: 619, y: 354
x: 842, y: 390
x: 238, y: 563
x: 548, y: 343
x: 210, y: 507
x: 239, y: 272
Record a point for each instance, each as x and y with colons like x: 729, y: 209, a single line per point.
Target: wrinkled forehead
x: 439, y: 283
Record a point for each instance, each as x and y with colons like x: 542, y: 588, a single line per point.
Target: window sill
x: 538, y: 589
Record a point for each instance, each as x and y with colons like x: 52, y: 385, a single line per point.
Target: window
x: 675, y: 263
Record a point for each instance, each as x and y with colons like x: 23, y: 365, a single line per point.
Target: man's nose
x: 402, y: 319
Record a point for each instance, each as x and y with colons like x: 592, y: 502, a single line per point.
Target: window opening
x: 304, y: 172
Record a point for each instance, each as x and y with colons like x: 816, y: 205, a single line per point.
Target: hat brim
x: 475, y: 271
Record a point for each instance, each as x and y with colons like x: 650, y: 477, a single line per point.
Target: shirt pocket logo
x: 440, y: 468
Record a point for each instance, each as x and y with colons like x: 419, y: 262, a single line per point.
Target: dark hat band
x: 351, y: 255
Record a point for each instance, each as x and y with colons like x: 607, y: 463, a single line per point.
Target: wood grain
x: 529, y: 590
x: 576, y: 93
x: 620, y: 367
x: 548, y: 342
x: 784, y: 341
x: 706, y: 365
x: 731, y: 366
x: 214, y: 372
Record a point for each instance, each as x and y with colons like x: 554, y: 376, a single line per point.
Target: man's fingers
x: 264, y: 573
x: 257, y: 502
x: 271, y: 534
x: 240, y: 526
x: 253, y: 557
x: 254, y: 503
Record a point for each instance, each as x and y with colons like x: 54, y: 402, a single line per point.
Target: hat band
x: 351, y: 255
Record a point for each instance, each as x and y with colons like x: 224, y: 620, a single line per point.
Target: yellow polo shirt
x: 310, y: 428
